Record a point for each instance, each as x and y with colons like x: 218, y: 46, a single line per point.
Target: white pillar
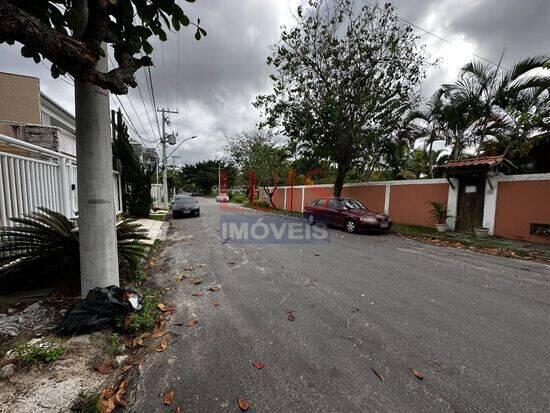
x: 490, y: 204
x: 452, y: 204
x: 303, y: 196
x: 284, y: 203
x: 65, y: 188
x: 387, y: 199
x: 95, y: 184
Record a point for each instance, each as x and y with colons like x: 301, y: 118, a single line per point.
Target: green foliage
x: 45, y: 244
x: 344, y: 76
x: 37, y: 352
x: 135, y: 178
x: 71, y: 38
x: 256, y: 154
x: 237, y: 197
x: 439, y: 211
x: 145, y: 318
x: 87, y: 402
x: 203, y: 175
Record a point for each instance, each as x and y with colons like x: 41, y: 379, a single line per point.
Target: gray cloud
x: 220, y: 76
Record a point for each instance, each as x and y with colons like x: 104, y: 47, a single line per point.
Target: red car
x: 346, y: 212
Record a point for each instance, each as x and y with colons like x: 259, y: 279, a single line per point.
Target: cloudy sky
x: 217, y: 78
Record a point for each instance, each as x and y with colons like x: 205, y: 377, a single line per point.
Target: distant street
x: 366, y: 308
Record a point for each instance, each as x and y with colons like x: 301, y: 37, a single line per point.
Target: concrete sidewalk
x: 155, y: 229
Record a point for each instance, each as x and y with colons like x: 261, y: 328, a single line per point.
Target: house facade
x: 29, y: 115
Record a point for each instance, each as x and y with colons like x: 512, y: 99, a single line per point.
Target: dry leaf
x: 178, y: 409
x: 168, y: 397
x: 162, y: 345
x: 107, y: 405
x: 417, y: 373
x: 192, y: 323
x: 159, y: 334
x: 259, y: 365
x: 195, y: 281
x: 216, y: 303
x: 198, y: 294
x: 165, y: 308
x: 215, y: 288
x: 317, y: 254
x: 291, y: 316
x: 188, y: 268
x: 138, y: 341
x: 119, y: 396
x: 127, y: 367
x: 380, y: 377
x: 104, y: 368
x: 178, y: 324
x: 243, y: 404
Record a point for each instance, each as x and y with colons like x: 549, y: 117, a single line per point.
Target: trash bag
x: 100, y: 310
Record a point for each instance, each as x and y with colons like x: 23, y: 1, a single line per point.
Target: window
x: 352, y: 204
x: 333, y: 204
x: 319, y: 203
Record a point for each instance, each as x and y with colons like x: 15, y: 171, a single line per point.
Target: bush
x: 45, y: 244
x: 145, y: 318
x: 237, y: 197
x: 36, y: 351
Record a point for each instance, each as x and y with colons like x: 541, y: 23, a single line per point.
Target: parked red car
x: 348, y: 213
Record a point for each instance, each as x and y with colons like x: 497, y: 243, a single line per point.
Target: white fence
x: 27, y: 183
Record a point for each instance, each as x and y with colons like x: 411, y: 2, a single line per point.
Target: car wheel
x: 351, y: 226
x: 197, y: 214
x: 311, y: 219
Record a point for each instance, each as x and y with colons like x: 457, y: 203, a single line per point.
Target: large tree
x: 74, y: 35
x: 256, y: 154
x: 343, y: 76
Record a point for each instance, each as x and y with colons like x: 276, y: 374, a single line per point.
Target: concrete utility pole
x: 164, y: 141
x: 96, y: 210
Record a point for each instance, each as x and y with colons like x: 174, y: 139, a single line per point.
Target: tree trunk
x: 430, y: 160
x: 341, y: 173
x: 96, y: 209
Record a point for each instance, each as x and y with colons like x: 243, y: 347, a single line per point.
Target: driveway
x: 477, y: 327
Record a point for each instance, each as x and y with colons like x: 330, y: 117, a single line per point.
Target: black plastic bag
x: 100, y: 310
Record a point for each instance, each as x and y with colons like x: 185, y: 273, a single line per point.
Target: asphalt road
x: 476, y: 326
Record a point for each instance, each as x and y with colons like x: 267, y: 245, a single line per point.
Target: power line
x: 146, y: 111
x: 152, y: 93
x: 443, y: 39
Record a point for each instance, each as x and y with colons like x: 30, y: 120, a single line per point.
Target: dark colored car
x: 185, y: 205
x: 348, y: 213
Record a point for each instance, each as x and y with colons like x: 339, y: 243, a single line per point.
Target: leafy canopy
x: 343, y: 76
x: 69, y: 33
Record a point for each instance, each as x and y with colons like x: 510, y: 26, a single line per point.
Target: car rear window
x: 319, y: 202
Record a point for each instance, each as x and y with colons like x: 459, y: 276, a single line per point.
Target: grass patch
x: 36, y: 351
x: 87, y: 402
x: 145, y: 318
x: 158, y: 217
x: 238, y: 198
x: 413, y: 230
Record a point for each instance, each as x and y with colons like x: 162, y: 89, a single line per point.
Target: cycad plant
x: 45, y: 244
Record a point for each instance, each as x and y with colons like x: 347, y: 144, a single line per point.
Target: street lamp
x: 185, y: 140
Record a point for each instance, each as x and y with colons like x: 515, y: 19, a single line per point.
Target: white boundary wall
x: 28, y: 183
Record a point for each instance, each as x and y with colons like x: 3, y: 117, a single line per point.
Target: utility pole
x: 96, y: 209
x: 164, y: 141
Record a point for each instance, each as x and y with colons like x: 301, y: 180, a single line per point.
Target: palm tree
x: 487, y: 97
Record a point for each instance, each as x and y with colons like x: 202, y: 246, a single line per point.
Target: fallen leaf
x: 178, y: 324
x: 159, y: 334
x: 168, y: 397
x: 380, y: 377
x: 138, y: 341
x: 107, y: 405
x: 192, y: 323
x: 104, y: 368
x: 291, y: 317
x: 195, y: 281
x: 418, y: 374
x: 243, y: 404
x: 165, y: 308
x: 167, y: 288
x: 119, y: 396
x: 162, y: 345
x: 259, y: 365
x: 198, y: 294
x: 317, y: 254
x: 215, y: 288
x: 127, y: 367
x: 178, y: 409
x: 231, y: 263
x: 188, y: 268
x: 216, y: 303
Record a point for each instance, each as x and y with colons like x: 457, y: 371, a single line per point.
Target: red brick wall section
x: 408, y: 203
x: 279, y: 198
x: 520, y: 203
x: 373, y: 196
